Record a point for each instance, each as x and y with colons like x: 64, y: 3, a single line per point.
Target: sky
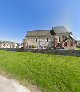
x: 19, y: 16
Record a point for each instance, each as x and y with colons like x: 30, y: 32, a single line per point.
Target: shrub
x: 33, y: 46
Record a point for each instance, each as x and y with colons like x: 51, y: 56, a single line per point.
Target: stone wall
x: 37, y: 42
x: 69, y: 46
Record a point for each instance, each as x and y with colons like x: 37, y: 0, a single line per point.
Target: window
x: 47, y: 39
x: 65, y: 38
x: 65, y: 44
x: 59, y: 39
x: 4, y: 44
x: 71, y: 43
x: 36, y: 40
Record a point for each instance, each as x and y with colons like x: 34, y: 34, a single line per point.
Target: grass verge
x: 51, y: 73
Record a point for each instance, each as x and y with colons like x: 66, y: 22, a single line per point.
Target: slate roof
x: 60, y: 29
x: 46, y: 33
x: 38, y: 33
x: 9, y: 42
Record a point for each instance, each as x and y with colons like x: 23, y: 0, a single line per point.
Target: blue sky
x: 19, y: 16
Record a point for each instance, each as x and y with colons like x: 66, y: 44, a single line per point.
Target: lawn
x: 77, y: 48
x: 51, y: 73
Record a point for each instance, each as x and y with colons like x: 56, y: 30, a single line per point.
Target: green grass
x: 77, y: 48
x: 51, y: 73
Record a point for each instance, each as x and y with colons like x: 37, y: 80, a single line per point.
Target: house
x: 78, y: 43
x: 58, y: 38
x: 8, y: 44
x: 37, y: 39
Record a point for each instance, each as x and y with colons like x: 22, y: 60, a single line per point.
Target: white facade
x: 37, y: 42
x: 78, y: 43
x: 8, y: 44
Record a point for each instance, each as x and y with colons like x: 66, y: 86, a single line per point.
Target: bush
x: 33, y: 46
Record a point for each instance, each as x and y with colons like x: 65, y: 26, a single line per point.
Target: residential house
x: 8, y: 44
x: 78, y: 43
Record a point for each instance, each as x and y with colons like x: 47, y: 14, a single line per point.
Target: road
x: 9, y: 85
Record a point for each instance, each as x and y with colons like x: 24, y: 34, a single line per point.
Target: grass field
x: 51, y: 73
x: 77, y: 48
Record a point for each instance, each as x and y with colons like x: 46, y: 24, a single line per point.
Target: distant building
x: 8, y: 44
x: 78, y: 43
x: 58, y: 38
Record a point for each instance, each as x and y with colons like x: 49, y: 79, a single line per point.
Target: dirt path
x: 9, y: 85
